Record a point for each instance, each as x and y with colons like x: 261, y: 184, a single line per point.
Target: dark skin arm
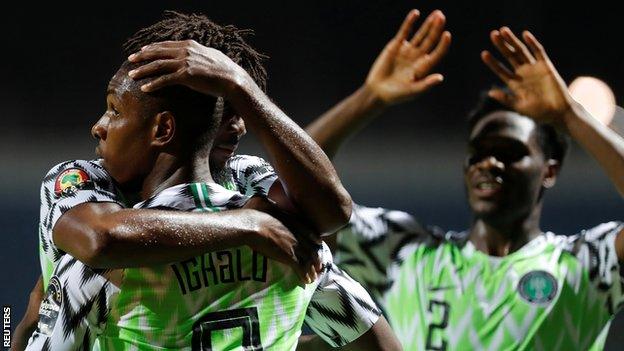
x: 104, y: 235
x: 539, y: 92
x: 307, y: 176
x: 401, y: 72
x: 378, y: 338
x: 28, y: 324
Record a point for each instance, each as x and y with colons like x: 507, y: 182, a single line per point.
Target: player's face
x: 124, y: 131
x: 230, y: 132
x: 505, y: 167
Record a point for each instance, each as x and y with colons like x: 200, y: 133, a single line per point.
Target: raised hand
x: 188, y: 63
x: 536, y: 88
x: 403, y: 69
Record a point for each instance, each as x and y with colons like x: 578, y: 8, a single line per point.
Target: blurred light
x: 596, y: 96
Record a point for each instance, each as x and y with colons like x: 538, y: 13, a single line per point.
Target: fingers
x: 505, y: 48
x: 536, y: 47
x: 521, y: 53
x: 497, y: 67
x: 406, y: 26
x: 158, y: 67
x: 162, y: 81
x: 420, y: 34
x: 427, y: 83
x: 156, y: 53
x: 432, y: 37
x: 440, y: 50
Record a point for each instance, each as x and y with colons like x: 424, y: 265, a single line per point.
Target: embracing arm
x: 401, y: 72
x: 104, y: 235
x: 28, y: 324
x: 539, y: 92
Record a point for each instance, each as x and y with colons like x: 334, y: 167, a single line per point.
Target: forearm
x: 606, y: 146
x: 28, y: 324
x: 306, y: 173
x: 159, y: 237
x: 347, y: 118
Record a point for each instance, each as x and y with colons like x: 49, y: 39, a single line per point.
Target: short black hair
x: 201, y: 114
x: 554, y: 144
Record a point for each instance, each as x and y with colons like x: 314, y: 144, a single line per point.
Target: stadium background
x: 59, y: 57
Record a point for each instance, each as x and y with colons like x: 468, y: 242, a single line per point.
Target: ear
x: 163, y: 129
x: 552, y: 171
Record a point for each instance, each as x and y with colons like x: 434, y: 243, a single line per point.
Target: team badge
x: 70, y: 180
x: 50, y: 307
x: 538, y: 287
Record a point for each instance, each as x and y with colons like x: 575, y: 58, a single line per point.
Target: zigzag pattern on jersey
x: 346, y: 311
x: 52, y: 207
x: 251, y: 175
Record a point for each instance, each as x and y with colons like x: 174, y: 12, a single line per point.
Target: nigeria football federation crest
x: 538, y: 287
x: 70, y: 180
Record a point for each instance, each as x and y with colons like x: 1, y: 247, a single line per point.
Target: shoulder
x: 602, y: 233
x: 245, y: 161
x: 77, y: 171
x: 373, y: 221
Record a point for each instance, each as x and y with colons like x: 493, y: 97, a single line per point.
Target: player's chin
x: 219, y: 156
x: 485, y: 209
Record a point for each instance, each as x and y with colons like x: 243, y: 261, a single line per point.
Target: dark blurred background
x: 57, y: 60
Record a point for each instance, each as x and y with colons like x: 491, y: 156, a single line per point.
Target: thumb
x: 427, y: 83
x: 502, y: 97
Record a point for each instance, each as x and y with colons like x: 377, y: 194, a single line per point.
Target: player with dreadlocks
x: 174, y: 300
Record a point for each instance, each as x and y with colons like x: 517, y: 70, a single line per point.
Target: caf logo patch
x: 70, y: 180
x: 538, y: 287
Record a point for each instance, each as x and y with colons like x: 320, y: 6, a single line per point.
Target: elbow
x: 98, y: 248
x: 339, y: 215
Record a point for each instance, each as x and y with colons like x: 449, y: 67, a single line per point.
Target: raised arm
x: 401, y: 72
x: 537, y: 91
x: 308, y: 178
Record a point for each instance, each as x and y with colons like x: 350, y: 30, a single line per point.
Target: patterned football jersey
x: 373, y: 245
x: 555, y: 293
x: 80, y: 300
x: 65, y: 186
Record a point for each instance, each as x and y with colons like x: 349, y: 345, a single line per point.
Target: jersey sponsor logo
x: 71, y: 180
x: 50, y: 307
x: 538, y: 287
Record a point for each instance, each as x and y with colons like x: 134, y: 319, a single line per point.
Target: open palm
x: 402, y: 70
x: 535, y: 88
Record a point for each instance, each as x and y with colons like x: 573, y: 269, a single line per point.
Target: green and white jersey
x: 230, y: 299
x: 555, y: 293
x: 82, y: 303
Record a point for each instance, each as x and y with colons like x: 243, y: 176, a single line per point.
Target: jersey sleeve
x: 74, y: 309
x: 67, y: 185
x: 595, y: 249
x: 373, y: 245
x: 252, y: 175
x: 340, y: 310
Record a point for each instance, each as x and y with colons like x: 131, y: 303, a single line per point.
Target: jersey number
x: 245, y: 318
x: 434, y: 326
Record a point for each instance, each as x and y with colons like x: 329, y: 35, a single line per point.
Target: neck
x: 501, y: 238
x: 169, y: 171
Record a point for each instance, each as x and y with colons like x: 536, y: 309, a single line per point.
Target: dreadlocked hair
x: 228, y: 39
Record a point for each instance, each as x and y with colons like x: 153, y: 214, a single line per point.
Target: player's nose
x: 98, y: 130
